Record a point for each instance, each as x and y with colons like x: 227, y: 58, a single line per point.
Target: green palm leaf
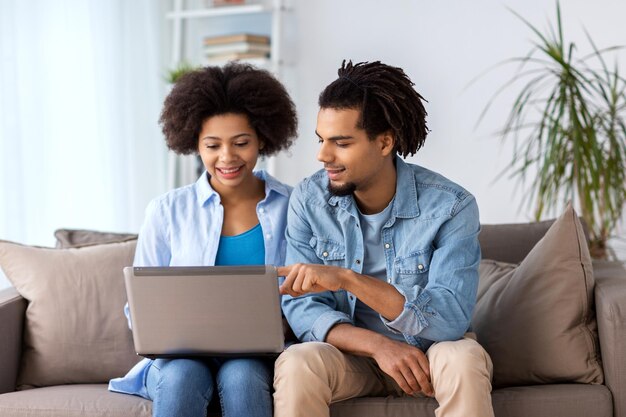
x: 568, y: 123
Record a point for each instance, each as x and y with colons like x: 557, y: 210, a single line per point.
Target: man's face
x: 350, y: 158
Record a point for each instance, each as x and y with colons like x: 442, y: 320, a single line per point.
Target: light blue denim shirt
x: 430, y: 246
x: 183, y: 228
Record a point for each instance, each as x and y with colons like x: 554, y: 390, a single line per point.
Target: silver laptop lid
x: 216, y: 310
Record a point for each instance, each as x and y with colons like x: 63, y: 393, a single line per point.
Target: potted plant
x: 178, y: 71
x: 568, y: 126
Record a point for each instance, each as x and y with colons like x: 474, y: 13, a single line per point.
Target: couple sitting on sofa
x: 381, y: 256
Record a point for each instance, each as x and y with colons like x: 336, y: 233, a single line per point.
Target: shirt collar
x: 405, y: 204
x: 204, y: 191
x: 272, y: 184
x: 405, y: 200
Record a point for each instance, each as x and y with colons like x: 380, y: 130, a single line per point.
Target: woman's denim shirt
x: 431, y: 253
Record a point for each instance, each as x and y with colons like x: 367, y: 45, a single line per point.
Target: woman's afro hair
x: 235, y: 88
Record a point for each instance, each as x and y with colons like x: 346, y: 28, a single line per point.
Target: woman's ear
x: 261, y: 145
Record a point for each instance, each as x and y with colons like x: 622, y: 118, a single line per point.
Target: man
x: 384, y: 262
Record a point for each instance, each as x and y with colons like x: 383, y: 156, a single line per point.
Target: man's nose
x: 324, y: 154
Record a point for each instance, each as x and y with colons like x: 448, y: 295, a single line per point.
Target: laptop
x: 204, y: 311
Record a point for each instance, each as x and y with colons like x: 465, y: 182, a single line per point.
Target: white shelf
x: 219, y: 11
x: 264, y: 17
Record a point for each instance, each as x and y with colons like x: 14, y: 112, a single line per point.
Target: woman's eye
x: 241, y: 144
x: 212, y: 146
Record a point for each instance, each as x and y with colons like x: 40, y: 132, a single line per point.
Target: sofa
x: 559, y: 376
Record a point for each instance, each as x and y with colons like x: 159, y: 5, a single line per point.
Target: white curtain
x: 80, y: 93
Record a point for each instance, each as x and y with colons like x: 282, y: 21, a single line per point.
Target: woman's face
x: 229, y: 148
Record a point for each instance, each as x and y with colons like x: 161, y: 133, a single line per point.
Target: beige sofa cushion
x: 75, y: 329
x: 536, y: 319
x: 83, y: 400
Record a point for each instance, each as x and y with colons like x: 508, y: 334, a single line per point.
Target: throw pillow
x: 536, y: 319
x: 75, y: 329
x: 73, y: 238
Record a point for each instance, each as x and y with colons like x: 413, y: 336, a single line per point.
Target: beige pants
x: 310, y: 376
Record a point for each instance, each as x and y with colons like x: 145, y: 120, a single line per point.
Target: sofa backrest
x: 511, y: 242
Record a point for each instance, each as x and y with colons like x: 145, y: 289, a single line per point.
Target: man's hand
x: 305, y: 278
x: 407, y: 365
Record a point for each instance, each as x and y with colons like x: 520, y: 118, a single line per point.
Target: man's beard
x: 342, y: 190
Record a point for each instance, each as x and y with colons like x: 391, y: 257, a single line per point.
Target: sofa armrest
x: 610, y: 298
x: 12, y: 308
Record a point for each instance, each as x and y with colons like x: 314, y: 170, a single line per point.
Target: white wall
x: 442, y: 46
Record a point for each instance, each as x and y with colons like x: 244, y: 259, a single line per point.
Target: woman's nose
x: 227, y: 153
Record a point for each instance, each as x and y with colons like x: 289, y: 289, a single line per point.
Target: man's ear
x: 387, y: 142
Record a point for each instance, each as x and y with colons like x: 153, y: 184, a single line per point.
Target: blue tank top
x: 247, y: 248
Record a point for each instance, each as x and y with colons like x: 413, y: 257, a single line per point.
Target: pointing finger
x: 283, y: 271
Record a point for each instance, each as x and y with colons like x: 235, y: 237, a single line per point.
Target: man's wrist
x: 379, y: 344
x: 348, y: 280
x: 356, y: 340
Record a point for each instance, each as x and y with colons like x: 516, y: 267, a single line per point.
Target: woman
x: 230, y: 216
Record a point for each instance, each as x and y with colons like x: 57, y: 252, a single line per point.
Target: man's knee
x: 461, y: 358
x: 302, y: 360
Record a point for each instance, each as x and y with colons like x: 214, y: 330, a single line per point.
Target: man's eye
x: 341, y: 145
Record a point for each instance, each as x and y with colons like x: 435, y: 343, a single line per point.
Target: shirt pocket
x: 328, y: 251
x: 412, y: 269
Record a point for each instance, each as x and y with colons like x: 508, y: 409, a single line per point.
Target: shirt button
x: 358, y: 262
x: 325, y: 254
x: 387, y: 245
x: 420, y: 267
x: 389, y: 280
x: 261, y: 210
x: 351, y: 297
x: 268, y: 235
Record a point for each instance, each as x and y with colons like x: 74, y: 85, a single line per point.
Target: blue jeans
x: 185, y: 387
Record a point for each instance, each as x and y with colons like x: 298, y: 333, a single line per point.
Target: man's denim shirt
x: 431, y: 252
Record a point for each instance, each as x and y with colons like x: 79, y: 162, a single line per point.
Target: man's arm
x: 312, y: 315
x: 406, y: 364
x: 301, y: 279
x: 442, y: 310
x: 439, y: 311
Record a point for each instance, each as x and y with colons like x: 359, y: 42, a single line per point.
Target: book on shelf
x: 236, y: 47
x: 226, y: 2
x: 238, y: 37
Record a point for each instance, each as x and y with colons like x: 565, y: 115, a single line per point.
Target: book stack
x: 236, y: 47
x: 226, y: 2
